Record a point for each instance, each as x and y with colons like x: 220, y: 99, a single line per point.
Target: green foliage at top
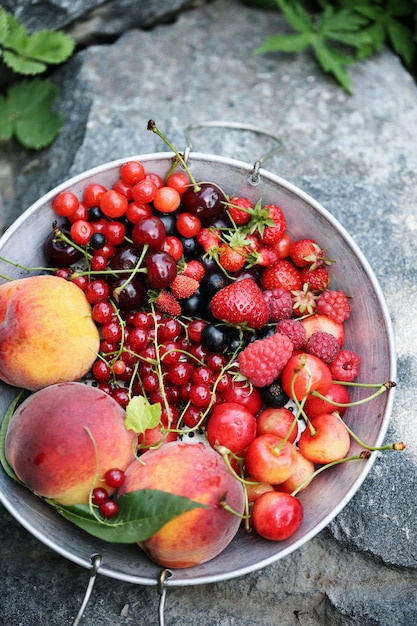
x: 25, y: 110
x: 346, y: 31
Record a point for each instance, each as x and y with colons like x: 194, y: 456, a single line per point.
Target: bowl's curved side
x: 368, y: 331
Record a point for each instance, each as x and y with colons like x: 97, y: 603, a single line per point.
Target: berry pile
x: 207, y: 306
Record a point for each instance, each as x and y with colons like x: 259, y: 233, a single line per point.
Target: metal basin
x: 368, y: 331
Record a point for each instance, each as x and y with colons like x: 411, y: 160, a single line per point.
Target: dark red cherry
x: 60, y: 253
x: 150, y: 231
x: 162, y: 269
x: 206, y: 203
x: 125, y: 258
x: 132, y: 296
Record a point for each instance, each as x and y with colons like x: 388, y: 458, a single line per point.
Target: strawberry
x: 306, y: 252
x: 269, y: 221
x: 264, y: 256
x: 304, y: 301
x: 231, y: 259
x: 208, y: 238
x: 166, y: 302
x: 241, y: 302
x: 238, y: 210
x: 184, y: 286
x: 318, y: 280
x: 194, y: 269
x: 272, y: 234
x: 263, y: 359
x: 282, y: 275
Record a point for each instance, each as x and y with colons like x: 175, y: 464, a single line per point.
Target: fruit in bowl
x: 63, y: 439
x: 47, y: 334
x: 179, y: 326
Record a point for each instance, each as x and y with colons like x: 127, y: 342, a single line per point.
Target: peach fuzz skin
x: 199, y: 473
x: 47, y: 334
x: 62, y: 439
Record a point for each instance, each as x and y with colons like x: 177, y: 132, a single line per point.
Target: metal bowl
x: 368, y: 331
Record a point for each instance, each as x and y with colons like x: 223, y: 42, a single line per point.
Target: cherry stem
x: 362, y: 456
x: 392, y: 446
x: 152, y: 126
x: 381, y: 389
x: 300, y: 405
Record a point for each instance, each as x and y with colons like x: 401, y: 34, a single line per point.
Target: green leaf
x: 30, y: 101
x: 141, y: 514
x: 333, y: 62
x: 284, y: 43
x: 141, y: 415
x: 4, y: 25
x: 49, y: 46
x: 401, y: 40
x: 6, y: 124
x: 21, y: 65
x: 342, y: 21
x: 295, y: 15
x: 17, y: 36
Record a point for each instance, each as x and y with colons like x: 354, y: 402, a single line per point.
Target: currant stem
x: 27, y: 269
x: 152, y: 126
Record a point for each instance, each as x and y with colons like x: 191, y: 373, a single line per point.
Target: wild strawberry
x: 194, y: 269
x: 306, y: 252
x: 263, y: 359
x: 241, y: 302
x: 334, y: 304
x: 294, y: 330
x: 231, y: 259
x: 279, y: 304
x: 166, y: 302
x: 318, y: 280
x: 184, y: 286
x: 323, y: 345
x: 282, y: 275
x: 238, y: 209
x: 345, y: 366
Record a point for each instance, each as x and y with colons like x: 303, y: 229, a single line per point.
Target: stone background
x: 188, y: 62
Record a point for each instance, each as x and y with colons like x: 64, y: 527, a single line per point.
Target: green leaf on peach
x: 141, y: 514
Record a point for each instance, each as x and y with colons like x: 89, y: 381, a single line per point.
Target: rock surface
x: 354, y: 154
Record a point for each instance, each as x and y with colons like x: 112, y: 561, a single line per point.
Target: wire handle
x: 254, y: 177
x: 96, y: 562
x: 165, y: 573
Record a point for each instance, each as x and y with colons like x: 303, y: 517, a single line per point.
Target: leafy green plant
x: 346, y: 31
x: 25, y: 110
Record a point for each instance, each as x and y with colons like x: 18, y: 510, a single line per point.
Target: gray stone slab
x: 357, y: 156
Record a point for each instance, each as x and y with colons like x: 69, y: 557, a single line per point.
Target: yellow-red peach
x: 62, y: 439
x: 195, y: 471
x: 47, y: 334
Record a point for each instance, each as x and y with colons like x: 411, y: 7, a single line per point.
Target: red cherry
x: 276, y: 515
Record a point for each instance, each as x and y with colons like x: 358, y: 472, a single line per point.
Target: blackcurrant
x: 273, y: 395
x: 97, y: 241
x: 214, y: 338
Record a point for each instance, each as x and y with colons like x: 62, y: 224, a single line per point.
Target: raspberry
x: 294, y: 330
x: 323, y: 345
x: 279, y: 304
x: 345, y: 367
x: 334, y: 304
x: 263, y: 359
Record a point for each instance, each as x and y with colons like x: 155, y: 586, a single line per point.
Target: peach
x: 47, y: 334
x: 195, y: 471
x: 62, y: 439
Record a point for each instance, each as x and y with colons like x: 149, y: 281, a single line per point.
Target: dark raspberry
x: 323, y: 345
x: 294, y: 330
x: 279, y: 304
